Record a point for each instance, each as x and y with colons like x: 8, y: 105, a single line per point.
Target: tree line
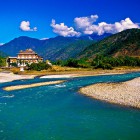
x: 100, y: 61
x: 2, y: 61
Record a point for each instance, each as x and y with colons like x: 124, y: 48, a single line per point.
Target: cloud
x: 86, y: 25
x: 25, y: 26
x: 63, y: 30
x: 84, y: 22
x: 1, y: 44
x: 125, y: 24
x: 44, y: 38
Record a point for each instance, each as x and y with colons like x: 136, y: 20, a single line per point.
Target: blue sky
x: 49, y: 18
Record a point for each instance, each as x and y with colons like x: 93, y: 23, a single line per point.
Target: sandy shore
x: 8, y: 77
x: 125, y: 93
x: 17, y: 87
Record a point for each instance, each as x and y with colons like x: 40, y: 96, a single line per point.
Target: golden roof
x: 27, y: 51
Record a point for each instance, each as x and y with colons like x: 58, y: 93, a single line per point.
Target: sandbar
x: 60, y: 76
x: 18, y: 87
x: 9, y: 76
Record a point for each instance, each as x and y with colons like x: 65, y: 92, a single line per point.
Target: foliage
x: 2, y: 62
x: 13, y: 64
x: 77, y: 63
x: 72, y: 63
x: 59, y: 62
x: 38, y: 66
x: 104, y: 62
x: 100, y: 61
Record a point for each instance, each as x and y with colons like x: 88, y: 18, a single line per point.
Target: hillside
x: 53, y: 48
x: 13, y: 47
x: 123, y: 43
x: 2, y: 54
x: 72, y: 50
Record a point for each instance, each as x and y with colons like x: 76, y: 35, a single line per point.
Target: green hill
x: 124, y: 43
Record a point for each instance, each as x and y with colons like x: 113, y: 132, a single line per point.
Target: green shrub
x: 38, y: 66
x: 72, y: 63
x: 13, y: 64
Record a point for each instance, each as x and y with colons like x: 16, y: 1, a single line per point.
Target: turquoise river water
x: 59, y: 112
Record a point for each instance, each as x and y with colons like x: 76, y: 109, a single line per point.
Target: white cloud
x: 44, y: 38
x: 84, y: 22
x: 63, y: 30
x: 1, y: 44
x: 25, y: 26
x: 86, y: 25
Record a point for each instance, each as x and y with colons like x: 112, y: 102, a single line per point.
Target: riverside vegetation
x: 100, y: 61
x: 2, y: 61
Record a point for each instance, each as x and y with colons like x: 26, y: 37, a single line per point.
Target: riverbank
x: 9, y: 76
x: 76, y: 72
x: 125, y: 93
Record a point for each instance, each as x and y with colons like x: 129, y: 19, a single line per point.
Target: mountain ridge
x: 123, y: 43
x: 49, y: 49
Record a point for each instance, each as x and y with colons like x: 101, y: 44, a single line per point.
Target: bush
x: 72, y: 63
x: 103, y: 66
x: 76, y: 63
x: 13, y: 64
x: 38, y: 66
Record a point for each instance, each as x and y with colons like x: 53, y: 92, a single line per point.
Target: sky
x: 44, y: 19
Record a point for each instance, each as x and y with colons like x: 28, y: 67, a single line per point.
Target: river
x: 59, y: 112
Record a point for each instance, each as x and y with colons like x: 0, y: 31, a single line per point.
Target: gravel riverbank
x: 125, y: 93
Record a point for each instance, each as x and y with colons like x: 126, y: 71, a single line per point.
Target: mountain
x: 54, y: 45
x: 72, y: 50
x: 53, y: 48
x: 95, y: 37
x: 13, y: 47
x: 2, y: 54
x: 124, y: 43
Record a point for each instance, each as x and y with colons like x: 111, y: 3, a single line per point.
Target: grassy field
x: 57, y: 70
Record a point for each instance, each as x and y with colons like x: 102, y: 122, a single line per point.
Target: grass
x: 58, y: 70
